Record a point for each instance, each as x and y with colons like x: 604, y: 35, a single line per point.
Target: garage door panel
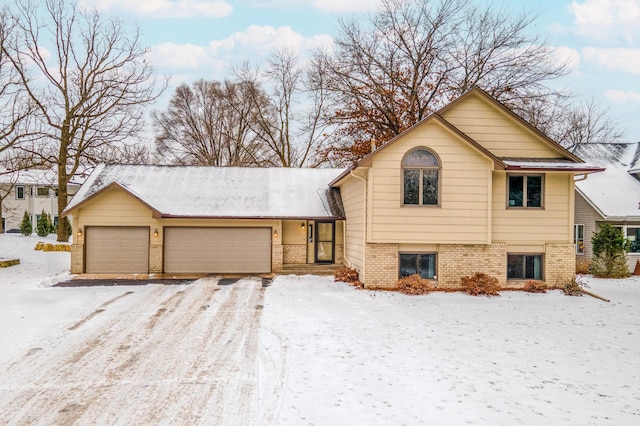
x: 217, y: 250
x: 116, y: 250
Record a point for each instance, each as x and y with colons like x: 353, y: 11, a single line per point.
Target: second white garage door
x: 217, y: 250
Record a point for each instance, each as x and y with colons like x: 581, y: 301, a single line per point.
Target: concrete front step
x: 308, y: 269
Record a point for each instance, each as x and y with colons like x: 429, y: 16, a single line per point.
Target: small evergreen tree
x: 25, y: 225
x: 44, y: 224
x: 610, y: 249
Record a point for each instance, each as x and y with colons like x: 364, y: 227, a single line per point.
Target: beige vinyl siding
x: 352, y: 192
x: 496, y: 130
x: 463, y: 214
x: 115, y: 207
x: 587, y: 216
x: 531, y: 226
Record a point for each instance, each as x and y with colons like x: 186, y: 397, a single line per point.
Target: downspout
x: 580, y: 178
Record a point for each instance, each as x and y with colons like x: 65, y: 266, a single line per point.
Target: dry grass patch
x: 414, y: 284
x: 349, y: 276
x: 480, y: 285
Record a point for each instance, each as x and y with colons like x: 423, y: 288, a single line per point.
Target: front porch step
x: 308, y: 269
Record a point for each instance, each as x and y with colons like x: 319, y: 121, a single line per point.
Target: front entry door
x: 325, y: 232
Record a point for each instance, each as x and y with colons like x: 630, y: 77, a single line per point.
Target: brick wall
x: 559, y: 263
x: 294, y: 253
x: 339, y: 254
x: 77, y: 258
x: 381, y: 266
x: 458, y: 260
x: 155, y: 258
x: 277, y: 255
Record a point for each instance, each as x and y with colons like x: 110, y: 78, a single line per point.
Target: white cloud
x: 181, y: 56
x: 619, y: 96
x: 566, y: 55
x: 625, y: 60
x: 610, y: 21
x: 328, y: 6
x: 260, y: 40
x: 164, y: 8
x: 345, y: 6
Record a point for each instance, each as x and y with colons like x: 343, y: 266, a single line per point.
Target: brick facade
x: 560, y: 263
x: 455, y: 261
x: 77, y: 258
x: 277, y: 256
x: 458, y: 260
x: 294, y: 253
x: 155, y: 258
x: 380, y: 266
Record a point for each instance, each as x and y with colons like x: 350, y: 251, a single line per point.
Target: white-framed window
x: 525, y: 266
x: 20, y: 192
x: 633, y: 235
x: 423, y: 264
x: 578, y: 238
x: 420, y: 178
x: 525, y: 191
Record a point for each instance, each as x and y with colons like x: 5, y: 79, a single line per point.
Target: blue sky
x: 192, y: 39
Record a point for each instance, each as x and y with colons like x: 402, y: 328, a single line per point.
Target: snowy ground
x: 309, y: 351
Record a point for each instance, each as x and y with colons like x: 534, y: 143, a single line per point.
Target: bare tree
x: 585, y: 122
x: 288, y: 119
x: 92, y: 83
x: 207, y: 124
x: 413, y: 56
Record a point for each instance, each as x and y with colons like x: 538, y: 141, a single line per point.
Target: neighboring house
x: 32, y: 191
x: 472, y: 188
x: 612, y: 196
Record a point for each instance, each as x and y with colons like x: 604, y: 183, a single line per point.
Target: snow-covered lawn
x: 325, y: 353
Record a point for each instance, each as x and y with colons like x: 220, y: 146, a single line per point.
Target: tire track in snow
x: 189, y: 357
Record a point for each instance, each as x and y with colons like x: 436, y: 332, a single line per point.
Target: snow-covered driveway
x: 148, y: 355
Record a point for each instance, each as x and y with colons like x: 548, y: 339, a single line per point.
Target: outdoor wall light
x: 155, y: 232
x: 302, y: 226
x: 275, y: 233
x: 80, y: 232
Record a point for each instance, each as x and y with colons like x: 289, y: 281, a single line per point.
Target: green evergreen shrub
x: 610, y: 249
x: 44, y: 226
x: 25, y: 226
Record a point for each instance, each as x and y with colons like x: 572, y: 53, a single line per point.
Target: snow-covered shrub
x: 414, y: 284
x: 480, y: 285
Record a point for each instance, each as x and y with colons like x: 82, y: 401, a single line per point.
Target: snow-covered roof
x: 226, y: 192
x: 550, y: 165
x: 625, y: 154
x: 614, y: 193
x: 47, y: 177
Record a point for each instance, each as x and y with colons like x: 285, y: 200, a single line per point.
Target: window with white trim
x: 578, y: 238
x: 19, y: 192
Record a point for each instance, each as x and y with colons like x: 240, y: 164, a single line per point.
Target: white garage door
x: 217, y: 250
x: 116, y: 250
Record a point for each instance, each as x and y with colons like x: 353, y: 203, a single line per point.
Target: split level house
x: 471, y: 188
x: 33, y: 191
x: 612, y: 196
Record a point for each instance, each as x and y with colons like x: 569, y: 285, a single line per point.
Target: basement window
x: 423, y: 264
x: 524, y: 266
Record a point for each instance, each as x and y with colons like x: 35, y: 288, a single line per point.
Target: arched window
x: 421, y: 175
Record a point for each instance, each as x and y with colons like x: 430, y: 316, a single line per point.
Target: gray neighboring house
x: 611, y: 196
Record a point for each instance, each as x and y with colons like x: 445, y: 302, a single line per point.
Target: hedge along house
x: 612, y: 196
x: 471, y: 188
x: 134, y: 219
